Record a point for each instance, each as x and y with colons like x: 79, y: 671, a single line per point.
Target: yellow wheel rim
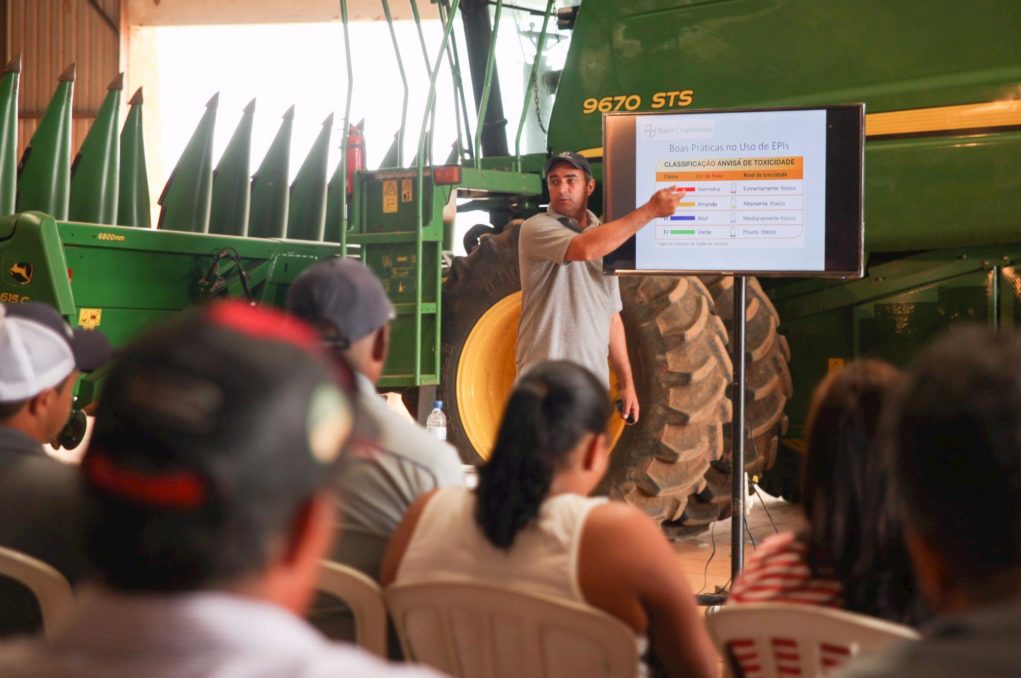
x: 486, y: 372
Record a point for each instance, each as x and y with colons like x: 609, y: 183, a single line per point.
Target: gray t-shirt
x: 392, y: 464
x: 40, y: 514
x: 566, y: 306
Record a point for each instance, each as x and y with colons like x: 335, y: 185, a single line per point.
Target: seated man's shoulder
x: 406, y: 443
x: 40, y: 477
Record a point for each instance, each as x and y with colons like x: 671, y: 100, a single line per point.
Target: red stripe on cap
x: 263, y: 323
x: 183, y: 489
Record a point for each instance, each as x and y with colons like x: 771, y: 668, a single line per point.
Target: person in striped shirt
x: 850, y: 555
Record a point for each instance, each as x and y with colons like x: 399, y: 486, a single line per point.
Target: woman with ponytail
x: 531, y: 525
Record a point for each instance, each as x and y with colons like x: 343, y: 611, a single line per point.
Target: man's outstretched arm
x: 597, y: 241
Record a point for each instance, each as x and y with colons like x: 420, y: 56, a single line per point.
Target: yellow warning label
x: 834, y: 364
x: 89, y: 318
x: 389, y: 196
x: 407, y: 194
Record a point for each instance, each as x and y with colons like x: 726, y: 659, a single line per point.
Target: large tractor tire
x: 768, y: 383
x: 674, y: 463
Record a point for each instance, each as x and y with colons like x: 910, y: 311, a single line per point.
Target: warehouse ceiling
x: 200, y: 12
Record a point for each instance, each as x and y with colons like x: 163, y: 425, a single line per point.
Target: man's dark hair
x: 956, y: 451
x: 854, y: 531
x: 553, y: 406
x: 9, y: 409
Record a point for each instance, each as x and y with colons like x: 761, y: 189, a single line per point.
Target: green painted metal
x: 188, y: 194
x: 488, y: 82
x: 270, y: 184
x: 231, y: 199
x: 133, y: 195
x: 894, y: 311
x: 306, y: 217
x: 95, y: 173
x: 392, y: 157
x: 9, y: 134
x: 44, y: 174
x: 408, y: 259
x: 532, y: 76
x: 125, y: 279
x: 399, y: 141
x: 342, y: 193
x: 461, y: 101
x: 331, y: 230
x: 742, y: 53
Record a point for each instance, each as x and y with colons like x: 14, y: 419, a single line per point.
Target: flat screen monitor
x: 765, y: 192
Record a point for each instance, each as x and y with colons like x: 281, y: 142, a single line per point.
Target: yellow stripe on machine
x: 987, y: 115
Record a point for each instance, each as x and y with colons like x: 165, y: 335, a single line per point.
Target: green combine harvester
x: 942, y: 86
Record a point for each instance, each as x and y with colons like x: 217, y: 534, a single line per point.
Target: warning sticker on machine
x: 90, y: 318
x: 406, y: 191
x: 390, y: 196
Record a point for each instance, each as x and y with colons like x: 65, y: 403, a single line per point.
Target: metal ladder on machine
x: 396, y: 219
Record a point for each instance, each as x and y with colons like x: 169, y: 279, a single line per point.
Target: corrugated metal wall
x: 50, y: 35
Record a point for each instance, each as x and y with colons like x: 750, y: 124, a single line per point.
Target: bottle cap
x: 438, y: 404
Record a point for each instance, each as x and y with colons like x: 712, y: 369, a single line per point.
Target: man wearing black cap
x: 207, y: 507
x: 395, y: 461
x: 40, y: 359
x: 570, y: 310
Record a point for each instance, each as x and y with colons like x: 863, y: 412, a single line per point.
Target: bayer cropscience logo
x: 649, y: 130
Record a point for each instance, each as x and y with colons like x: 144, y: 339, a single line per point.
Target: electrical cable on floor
x: 755, y: 488
x: 705, y: 571
x: 748, y: 531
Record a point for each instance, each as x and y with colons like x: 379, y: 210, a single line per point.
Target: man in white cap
x: 40, y: 359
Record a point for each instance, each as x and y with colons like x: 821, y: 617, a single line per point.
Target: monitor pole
x: 737, y: 475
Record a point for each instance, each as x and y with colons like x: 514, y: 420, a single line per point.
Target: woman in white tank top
x: 530, y: 523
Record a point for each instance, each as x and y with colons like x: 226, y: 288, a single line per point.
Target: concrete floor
x: 706, y: 571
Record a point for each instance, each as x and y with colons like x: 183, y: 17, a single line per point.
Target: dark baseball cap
x: 39, y: 350
x: 345, y: 294
x: 232, y: 404
x: 572, y: 159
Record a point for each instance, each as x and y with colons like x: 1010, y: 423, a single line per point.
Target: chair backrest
x: 774, y: 639
x: 468, y: 628
x: 49, y: 587
x: 365, y: 599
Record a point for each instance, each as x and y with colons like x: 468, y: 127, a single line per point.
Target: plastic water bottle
x: 436, y: 423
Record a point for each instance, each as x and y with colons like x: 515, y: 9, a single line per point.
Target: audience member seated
x: 393, y: 461
x: 207, y: 508
x: 955, y: 448
x: 40, y: 358
x: 530, y: 524
x: 851, y: 553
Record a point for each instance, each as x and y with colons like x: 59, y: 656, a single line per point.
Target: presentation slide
x: 751, y: 190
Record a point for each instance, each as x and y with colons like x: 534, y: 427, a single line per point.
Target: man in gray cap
x: 395, y: 461
x: 569, y: 309
x: 40, y: 359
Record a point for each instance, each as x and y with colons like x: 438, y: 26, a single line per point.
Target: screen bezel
x: 844, y: 255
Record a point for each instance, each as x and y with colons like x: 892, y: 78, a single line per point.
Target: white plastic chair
x: 50, y: 588
x: 478, y: 630
x: 365, y: 599
x: 773, y: 639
